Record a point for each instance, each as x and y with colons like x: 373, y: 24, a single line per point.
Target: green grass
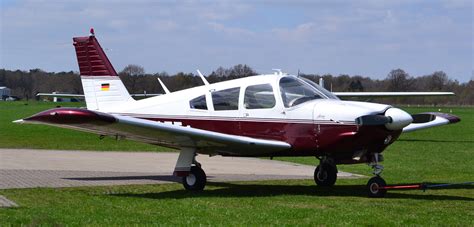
x: 438, y: 155
x: 47, y: 137
x: 254, y: 203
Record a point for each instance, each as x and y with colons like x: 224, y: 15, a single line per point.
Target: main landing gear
x: 190, y: 171
x: 196, y: 180
x: 376, y: 185
x: 325, y: 173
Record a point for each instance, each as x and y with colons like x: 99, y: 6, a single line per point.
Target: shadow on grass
x: 253, y: 190
x: 167, y: 178
x: 436, y: 141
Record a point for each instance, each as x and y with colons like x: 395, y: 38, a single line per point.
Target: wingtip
x: 21, y: 121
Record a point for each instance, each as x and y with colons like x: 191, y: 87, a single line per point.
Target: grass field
x: 46, y: 137
x: 438, y: 155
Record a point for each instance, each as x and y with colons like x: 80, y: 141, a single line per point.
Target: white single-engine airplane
x: 259, y: 116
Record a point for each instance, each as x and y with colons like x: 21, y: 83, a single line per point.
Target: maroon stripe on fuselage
x: 336, y: 139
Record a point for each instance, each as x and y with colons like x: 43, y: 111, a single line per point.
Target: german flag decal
x: 104, y: 87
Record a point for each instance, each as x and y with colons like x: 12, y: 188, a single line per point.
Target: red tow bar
x: 422, y: 186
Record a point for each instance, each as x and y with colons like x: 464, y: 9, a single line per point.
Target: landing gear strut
x: 376, y: 185
x: 190, y: 171
x: 325, y: 173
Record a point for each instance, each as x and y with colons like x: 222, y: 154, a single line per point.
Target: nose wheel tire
x: 196, y: 180
x: 326, y: 176
x: 374, y: 187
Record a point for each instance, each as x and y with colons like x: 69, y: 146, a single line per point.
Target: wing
x: 157, y: 133
x: 391, y: 94
x: 430, y: 119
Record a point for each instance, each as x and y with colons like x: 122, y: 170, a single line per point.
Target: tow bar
x: 422, y: 186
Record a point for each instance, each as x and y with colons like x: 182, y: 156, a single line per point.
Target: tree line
x: 26, y: 84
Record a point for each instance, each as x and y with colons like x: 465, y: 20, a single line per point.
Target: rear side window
x: 226, y: 99
x: 198, y: 103
x: 259, y: 97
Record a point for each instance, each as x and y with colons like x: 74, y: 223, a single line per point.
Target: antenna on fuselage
x: 163, y: 86
x: 202, y: 78
x: 321, y: 82
x: 278, y: 72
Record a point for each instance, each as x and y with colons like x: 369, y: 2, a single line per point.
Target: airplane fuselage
x: 323, y: 126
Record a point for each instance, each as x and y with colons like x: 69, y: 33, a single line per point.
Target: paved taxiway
x: 25, y: 168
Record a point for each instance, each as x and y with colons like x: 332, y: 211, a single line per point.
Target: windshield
x: 320, y: 89
x: 294, y: 91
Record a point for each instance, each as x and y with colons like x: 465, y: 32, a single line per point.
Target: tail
x: 102, y: 87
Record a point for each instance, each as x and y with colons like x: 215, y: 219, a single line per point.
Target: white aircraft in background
x: 259, y: 116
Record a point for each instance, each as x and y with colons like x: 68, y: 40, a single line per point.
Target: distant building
x: 5, y: 93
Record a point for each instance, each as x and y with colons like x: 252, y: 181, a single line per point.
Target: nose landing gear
x: 376, y: 185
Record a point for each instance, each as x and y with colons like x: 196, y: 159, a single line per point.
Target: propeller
x: 393, y: 119
x: 372, y: 120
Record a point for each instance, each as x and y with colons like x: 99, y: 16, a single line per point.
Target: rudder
x: 102, y: 87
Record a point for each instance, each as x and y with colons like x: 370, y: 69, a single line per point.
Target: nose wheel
x: 376, y: 185
x: 325, y: 174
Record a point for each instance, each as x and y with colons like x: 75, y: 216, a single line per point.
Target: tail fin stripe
x: 91, y: 58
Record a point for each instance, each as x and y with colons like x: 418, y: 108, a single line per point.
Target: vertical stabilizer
x: 103, y: 89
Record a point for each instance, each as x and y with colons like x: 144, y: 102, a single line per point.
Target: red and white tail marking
x: 103, y: 89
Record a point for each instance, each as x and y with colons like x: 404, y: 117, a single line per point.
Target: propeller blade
x: 422, y: 118
x: 373, y: 120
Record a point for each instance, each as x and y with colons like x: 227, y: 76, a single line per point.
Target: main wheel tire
x: 373, y: 187
x: 327, y: 177
x: 196, y: 180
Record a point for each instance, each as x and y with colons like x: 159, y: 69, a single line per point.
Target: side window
x: 226, y: 99
x: 259, y: 97
x: 198, y: 103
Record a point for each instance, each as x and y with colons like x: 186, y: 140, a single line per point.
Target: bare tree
x: 438, y: 80
x: 398, y: 80
x: 130, y: 76
x: 133, y: 70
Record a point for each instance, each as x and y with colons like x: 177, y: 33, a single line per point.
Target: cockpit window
x: 226, y: 99
x: 198, y: 103
x: 259, y: 97
x: 294, y: 91
x: 326, y: 93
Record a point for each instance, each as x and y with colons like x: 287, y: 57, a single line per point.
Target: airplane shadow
x: 254, y: 190
x: 168, y: 178
x: 436, y: 141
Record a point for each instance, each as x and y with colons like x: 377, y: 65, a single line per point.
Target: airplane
x: 268, y: 115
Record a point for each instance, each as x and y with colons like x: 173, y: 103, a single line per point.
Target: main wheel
x: 327, y: 176
x: 196, y: 180
x: 374, y: 187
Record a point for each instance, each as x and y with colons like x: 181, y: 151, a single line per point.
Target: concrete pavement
x: 26, y: 168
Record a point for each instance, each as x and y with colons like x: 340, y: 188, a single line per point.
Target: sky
x: 357, y: 37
